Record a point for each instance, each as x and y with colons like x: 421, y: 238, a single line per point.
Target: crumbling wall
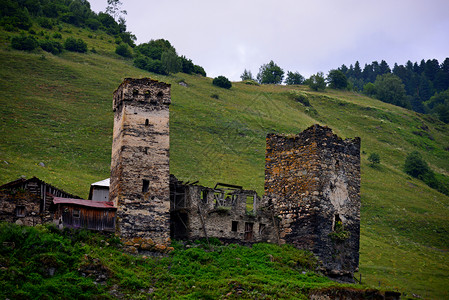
x: 313, y: 179
x: 21, y: 207
x: 233, y: 215
x: 139, y: 185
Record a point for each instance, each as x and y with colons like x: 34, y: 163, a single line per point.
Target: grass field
x: 58, y: 110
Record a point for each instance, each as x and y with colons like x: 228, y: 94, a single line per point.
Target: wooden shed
x: 93, y: 215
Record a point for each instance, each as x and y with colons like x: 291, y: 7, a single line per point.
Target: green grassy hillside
x: 58, y: 110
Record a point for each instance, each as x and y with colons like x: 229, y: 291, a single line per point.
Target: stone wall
x: 313, y: 179
x: 20, y: 207
x: 139, y: 185
x: 233, y: 215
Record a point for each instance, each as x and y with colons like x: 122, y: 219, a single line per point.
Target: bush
x: 52, y: 46
x: 93, y: 24
x: 199, y: 70
x: 45, y: 23
x: 57, y: 35
x: 76, y: 45
x: 123, y: 50
x: 415, y: 165
x: 222, y: 82
x: 23, y: 42
x: 374, y: 159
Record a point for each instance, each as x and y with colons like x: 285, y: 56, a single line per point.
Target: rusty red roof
x: 89, y: 203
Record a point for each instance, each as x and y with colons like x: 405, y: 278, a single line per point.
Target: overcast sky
x: 226, y: 37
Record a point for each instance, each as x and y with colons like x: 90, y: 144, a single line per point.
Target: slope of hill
x: 57, y: 110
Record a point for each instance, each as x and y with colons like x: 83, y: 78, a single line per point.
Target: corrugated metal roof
x: 89, y: 203
x: 104, y: 182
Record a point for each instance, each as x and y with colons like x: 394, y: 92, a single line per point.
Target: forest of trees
x: 425, y: 85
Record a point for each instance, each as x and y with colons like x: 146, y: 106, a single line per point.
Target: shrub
x: 93, y: 24
x: 52, y: 46
x: 374, y: 159
x: 199, y: 70
x: 222, y: 82
x: 45, y: 23
x: 415, y: 165
x: 23, y: 42
x: 19, y: 20
x: 76, y: 45
x: 250, y: 82
x: 123, y: 50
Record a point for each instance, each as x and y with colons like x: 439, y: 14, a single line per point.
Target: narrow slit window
x: 147, y: 122
x: 145, y: 185
x: 235, y: 226
x: 204, y: 196
x: 338, y: 224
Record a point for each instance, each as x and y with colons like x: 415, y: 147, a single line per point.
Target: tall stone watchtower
x: 313, y: 181
x: 140, y: 159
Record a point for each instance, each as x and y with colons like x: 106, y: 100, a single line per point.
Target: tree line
x: 422, y: 87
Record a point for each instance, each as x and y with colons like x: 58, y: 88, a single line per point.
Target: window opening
x: 204, y: 196
x: 250, y: 203
x: 338, y: 224
x: 160, y: 94
x: 20, y: 211
x: 147, y: 122
x: 147, y: 94
x: 145, y: 185
x: 76, y: 213
x: 135, y: 92
x: 235, y: 226
x: 262, y: 228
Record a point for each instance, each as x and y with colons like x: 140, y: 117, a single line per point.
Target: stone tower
x: 313, y: 181
x: 140, y: 174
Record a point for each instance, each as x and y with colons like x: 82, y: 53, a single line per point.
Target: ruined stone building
x: 28, y: 201
x: 312, y: 189
x: 313, y: 180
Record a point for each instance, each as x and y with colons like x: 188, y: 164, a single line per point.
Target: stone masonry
x: 140, y: 176
x: 231, y: 214
x: 313, y: 179
x: 312, y: 187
